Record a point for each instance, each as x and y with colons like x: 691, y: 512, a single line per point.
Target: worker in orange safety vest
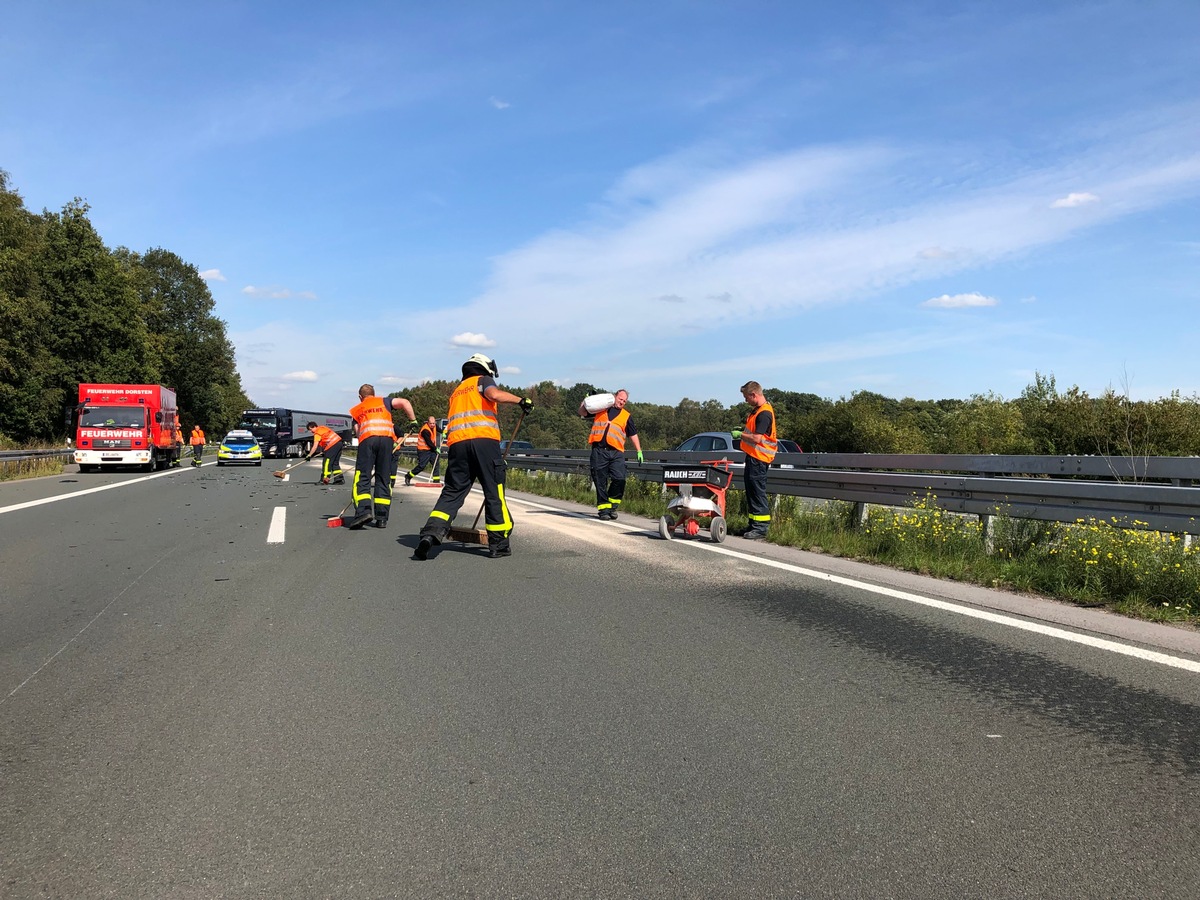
x: 757, y: 440
x: 376, y: 438
x: 427, y: 452
x: 474, y: 440
x: 329, y: 442
x: 197, y: 441
x: 610, y: 428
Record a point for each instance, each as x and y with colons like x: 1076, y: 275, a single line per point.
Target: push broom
x: 475, y: 534
x: 283, y: 472
x: 336, y: 521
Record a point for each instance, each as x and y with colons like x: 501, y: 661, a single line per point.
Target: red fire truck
x: 126, y: 425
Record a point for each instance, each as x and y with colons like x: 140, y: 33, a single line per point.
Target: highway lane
x: 189, y: 710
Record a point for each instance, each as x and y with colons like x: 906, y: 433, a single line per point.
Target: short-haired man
x: 757, y: 440
x: 376, y: 435
x: 610, y: 428
x: 329, y: 442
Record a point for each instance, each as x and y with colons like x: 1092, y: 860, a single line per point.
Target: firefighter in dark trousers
x: 329, y: 442
x: 177, y: 436
x: 197, y: 441
x: 376, y: 435
x: 757, y: 441
x: 427, y: 452
x: 610, y: 428
x: 473, y: 437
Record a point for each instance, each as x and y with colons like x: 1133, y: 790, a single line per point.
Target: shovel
x: 475, y: 534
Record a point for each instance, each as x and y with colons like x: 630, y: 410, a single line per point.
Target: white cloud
x: 510, y: 370
x: 212, y: 275
x: 788, y: 233
x: 305, y: 375
x: 470, y: 339
x: 277, y: 293
x: 938, y: 253
x: 498, y: 103
x: 959, y: 301
x: 1074, y: 199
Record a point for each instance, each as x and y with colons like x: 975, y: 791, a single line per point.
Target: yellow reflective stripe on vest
x: 610, y: 431
x: 472, y: 415
x: 764, y: 452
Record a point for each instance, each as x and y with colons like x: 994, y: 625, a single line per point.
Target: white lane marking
x: 107, y: 487
x: 278, y: 526
x: 1153, y: 656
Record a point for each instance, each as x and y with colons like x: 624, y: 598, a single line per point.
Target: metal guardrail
x: 17, y: 458
x: 1150, y: 493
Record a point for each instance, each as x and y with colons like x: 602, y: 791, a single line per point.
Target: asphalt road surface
x: 206, y: 692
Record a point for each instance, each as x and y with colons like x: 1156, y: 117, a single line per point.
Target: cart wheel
x: 717, y: 529
x: 666, y: 528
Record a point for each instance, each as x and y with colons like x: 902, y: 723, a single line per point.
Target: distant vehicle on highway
x: 720, y: 441
x: 519, y: 448
x: 723, y: 442
x: 239, y: 446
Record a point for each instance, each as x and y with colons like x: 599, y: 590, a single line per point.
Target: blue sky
x: 920, y: 199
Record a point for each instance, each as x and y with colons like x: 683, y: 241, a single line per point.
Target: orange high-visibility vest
x: 764, y: 452
x: 374, y: 419
x: 325, y: 437
x: 472, y: 415
x: 426, y: 439
x: 610, y: 431
x: 197, y: 436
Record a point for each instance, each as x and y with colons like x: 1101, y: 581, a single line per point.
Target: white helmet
x: 487, y: 362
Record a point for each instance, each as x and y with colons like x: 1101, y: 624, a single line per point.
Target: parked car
x: 519, y: 448
x: 720, y: 441
x: 723, y: 442
x: 239, y: 447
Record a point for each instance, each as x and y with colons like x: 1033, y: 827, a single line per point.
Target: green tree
x: 31, y: 399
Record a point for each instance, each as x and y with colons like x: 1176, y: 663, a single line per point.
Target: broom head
x: 467, y: 535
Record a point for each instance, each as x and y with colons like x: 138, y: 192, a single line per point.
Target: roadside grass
x: 28, y: 468
x: 1141, y: 574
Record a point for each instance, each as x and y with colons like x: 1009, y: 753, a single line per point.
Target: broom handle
x: 504, y: 455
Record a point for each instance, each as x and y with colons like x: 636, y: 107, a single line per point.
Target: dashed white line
x: 275, y: 533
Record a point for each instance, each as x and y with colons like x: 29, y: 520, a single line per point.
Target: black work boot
x: 496, y: 551
x: 427, y: 542
x: 381, y: 522
x: 360, y: 519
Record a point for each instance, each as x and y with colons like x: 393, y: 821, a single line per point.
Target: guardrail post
x: 987, y: 528
x: 858, y: 516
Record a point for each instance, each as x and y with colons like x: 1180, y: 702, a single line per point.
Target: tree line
x: 1043, y: 420
x: 73, y: 311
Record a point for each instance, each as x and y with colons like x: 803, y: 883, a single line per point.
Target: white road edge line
x: 275, y: 533
x: 106, y: 487
x: 1153, y: 656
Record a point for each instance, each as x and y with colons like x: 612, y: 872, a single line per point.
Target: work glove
x: 526, y: 405
x: 737, y: 435
x: 414, y: 425
x: 640, y: 456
